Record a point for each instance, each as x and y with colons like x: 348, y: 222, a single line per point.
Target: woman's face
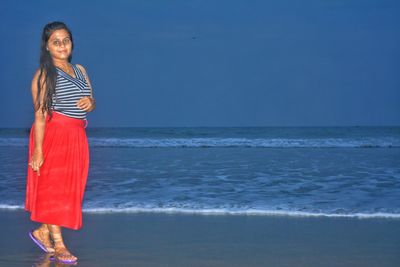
x: 59, y: 45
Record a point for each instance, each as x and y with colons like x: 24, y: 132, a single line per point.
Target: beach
x: 269, y: 196
x: 228, y: 133
x: 155, y: 239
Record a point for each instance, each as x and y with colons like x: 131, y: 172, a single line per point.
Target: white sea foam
x: 241, y: 212
x: 10, y: 207
x: 245, y: 142
x: 229, y: 142
x: 248, y: 212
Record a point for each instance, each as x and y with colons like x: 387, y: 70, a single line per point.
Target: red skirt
x: 56, y: 196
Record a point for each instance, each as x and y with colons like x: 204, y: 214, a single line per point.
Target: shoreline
x: 155, y: 239
x: 222, y: 212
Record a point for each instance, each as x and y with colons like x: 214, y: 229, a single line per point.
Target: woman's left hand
x: 86, y: 103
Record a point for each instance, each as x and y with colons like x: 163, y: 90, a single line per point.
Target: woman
x: 58, y: 148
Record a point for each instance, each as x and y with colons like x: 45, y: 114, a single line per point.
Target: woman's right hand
x: 36, y: 161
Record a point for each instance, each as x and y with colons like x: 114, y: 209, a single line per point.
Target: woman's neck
x: 63, y: 64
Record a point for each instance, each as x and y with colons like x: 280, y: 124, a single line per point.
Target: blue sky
x: 215, y: 63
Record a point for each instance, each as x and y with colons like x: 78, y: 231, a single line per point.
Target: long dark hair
x: 47, y: 67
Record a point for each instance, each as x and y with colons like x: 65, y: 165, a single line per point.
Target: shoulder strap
x: 85, y: 79
x: 80, y: 74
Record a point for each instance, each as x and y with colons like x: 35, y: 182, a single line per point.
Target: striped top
x: 68, y: 91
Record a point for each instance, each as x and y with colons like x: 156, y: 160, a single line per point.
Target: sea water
x: 264, y: 171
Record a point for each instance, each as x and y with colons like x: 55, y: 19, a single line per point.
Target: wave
x: 10, y: 207
x: 384, y: 142
x: 248, y: 212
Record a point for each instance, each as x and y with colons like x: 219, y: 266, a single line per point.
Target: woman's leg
x: 43, y: 235
x: 61, y: 252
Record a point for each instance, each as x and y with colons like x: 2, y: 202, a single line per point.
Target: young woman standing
x: 58, y: 148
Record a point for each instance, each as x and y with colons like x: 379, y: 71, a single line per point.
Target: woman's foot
x: 43, y: 235
x: 62, y: 254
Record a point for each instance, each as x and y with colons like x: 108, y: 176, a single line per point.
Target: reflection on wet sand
x: 47, y: 260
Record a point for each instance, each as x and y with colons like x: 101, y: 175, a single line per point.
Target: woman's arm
x: 88, y: 103
x: 40, y: 122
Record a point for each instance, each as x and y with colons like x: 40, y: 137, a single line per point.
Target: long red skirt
x: 56, y: 196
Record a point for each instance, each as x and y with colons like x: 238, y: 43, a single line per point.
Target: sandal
x: 41, y: 244
x: 60, y: 254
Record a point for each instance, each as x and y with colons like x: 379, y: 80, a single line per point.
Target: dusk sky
x: 215, y: 63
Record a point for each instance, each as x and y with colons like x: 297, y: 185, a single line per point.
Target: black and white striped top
x: 68, y: 91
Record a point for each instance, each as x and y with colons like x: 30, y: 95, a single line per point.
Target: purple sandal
x: 37, y: 242
x: 54, y: 258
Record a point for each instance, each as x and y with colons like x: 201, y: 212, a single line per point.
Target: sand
x: 147, y: 239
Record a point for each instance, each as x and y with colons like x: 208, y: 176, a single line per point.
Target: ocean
x: 254, y: 171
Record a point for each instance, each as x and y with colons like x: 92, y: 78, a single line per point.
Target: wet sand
x: 209, y: 240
